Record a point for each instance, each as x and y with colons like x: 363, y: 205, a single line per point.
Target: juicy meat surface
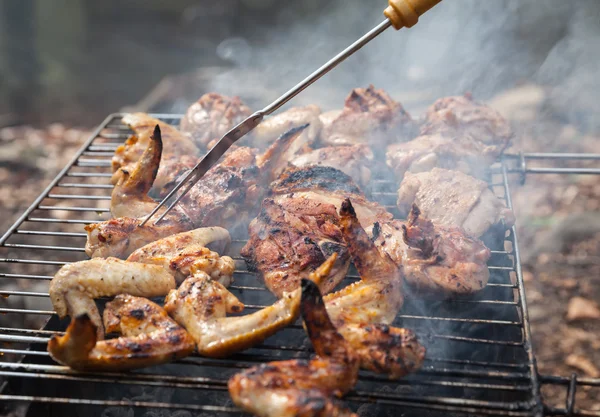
x: 148, y: 337
x: 211, y: 117
x: 289, y: 240
x: 353, y: 160
x: 451, y: 198
x: 369, y: 116
x: 178, y: 154
x: 329, y: 186
x: 435, y: 260
x: 302, y: 387
x: 298, y: 227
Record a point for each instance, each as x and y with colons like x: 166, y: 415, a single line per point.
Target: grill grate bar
x: 76, y: 185
x: 26, y: 276
x: 44, y: 247
x: 48, y: 233
x: 79, y: 197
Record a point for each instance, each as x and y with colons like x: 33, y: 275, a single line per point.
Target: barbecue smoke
x: 469, y: 45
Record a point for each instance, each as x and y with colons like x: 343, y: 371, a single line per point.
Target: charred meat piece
x: 290, y: 240
x: 148, y: 337
x: 451, y: 198
x: 302, y: 387
x: 327, y: 185
x: 363, y: 311
x: 211, y: 117
x: 270, y: 129
x: 223, y: 197
x: 369, y: 116
x: 178, y: 151
x: 298, y: 227
x: 440, y: 261
x: 354, y: 160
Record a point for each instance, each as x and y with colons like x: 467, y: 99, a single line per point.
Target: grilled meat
x: 369, y: 116
x: 265, y: 133
x: 459, y: 133
x: 223, y: 197
x: 302, y: 387
x: 327, y: 185
x: 149, y: 272
x: 75, y: 285
x: 298, y: 227
x: 178, y: 253
x: 451, y: 198
x: 149, y: 337
x: 290, y: 240
x: 201, y: 306
x: 463, y: 116
x: 435, y: 260
x: 211, y: 117
x: 363, y: 310
x: 354, y: 161
x: 178, y: 154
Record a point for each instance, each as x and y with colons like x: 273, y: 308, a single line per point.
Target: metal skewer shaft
x: 400, y: 13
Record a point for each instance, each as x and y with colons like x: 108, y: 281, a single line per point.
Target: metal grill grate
x: 479, y: 359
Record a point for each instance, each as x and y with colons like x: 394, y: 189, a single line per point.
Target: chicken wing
x: 223, y: 197
x: 149, y: 337
x: 302, y: 387
x: 435, y: 260
x: 76, y: 285
x: 371, y: 117
x: 211, y: 117
x: 176, y: 147
x: 451, y: 198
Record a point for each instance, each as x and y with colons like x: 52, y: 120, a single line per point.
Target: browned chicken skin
x: 211, y: 117
x: 302, y: 387
x: 435, y: 260
x: 148, y: 337
x: 223, y: 197
x: 353, y: 160
x: 451, y: 198
x: 369, y: 116
x: 179, y: 153
x: 298, y: 228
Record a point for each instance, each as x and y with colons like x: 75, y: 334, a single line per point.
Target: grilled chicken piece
x: 179, y: 252
x: 363, y: 310
x: 298, y: 227
x: 201, y: 306
x: 149, y: 337
x: 435, y: 260
x: 302, y: 387
x: 265, y: 133
x: 327, y: 185
x: 149, y: 272
x: 75, y: 285
x: 354, y: 161
x: 451, y: 198
x: 223, y: 197
x: 288, y: 241
x: 371, y: 117
x: 463, y: 116
x: 459, y: 133
x: 179, y: 152
x: 212, y: 116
